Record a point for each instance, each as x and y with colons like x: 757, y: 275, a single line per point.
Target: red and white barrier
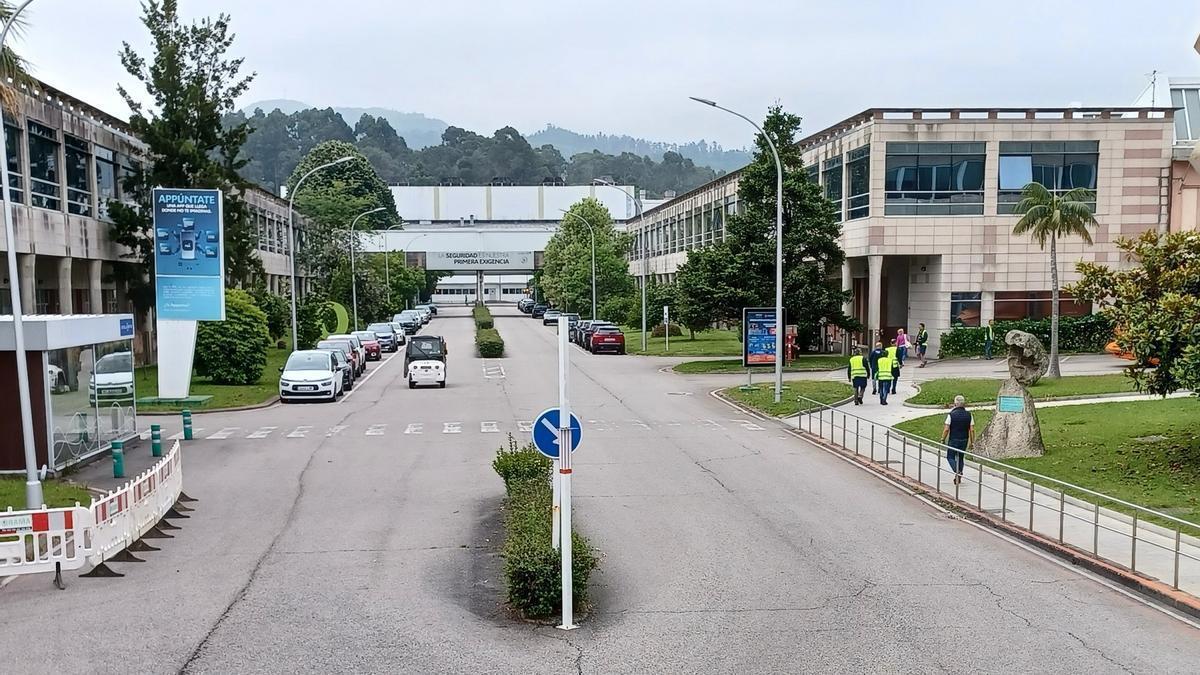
x: 45, y: 540
x: 128, y: 513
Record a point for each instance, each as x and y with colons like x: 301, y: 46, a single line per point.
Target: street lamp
x: 33, y: 486
x: 291, y: 235
x: 387, y: 253
x: 779, y: 326
x: 353, y: 272
x: 593, y: 231
x: 637, y: 204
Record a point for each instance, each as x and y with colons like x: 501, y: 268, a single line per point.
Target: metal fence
x: 1148, y: 542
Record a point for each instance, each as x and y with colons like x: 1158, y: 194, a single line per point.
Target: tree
x: 276, y: 309
x: 1155, y: 307
x: 234, y: 351
x: 1050, y: 216
x: 12, y: 66
x: 567, y: 263
x: 740, y: 270
x: 192, y: 86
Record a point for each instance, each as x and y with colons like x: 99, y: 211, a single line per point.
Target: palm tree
x: 12, y: 66
x: 1047, y: 215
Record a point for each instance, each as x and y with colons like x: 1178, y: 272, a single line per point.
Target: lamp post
x: 292, y: 236
x: 593, y: 231
x: 779, y: 325
x: 33, y: 486
x: 410, y: 243
x: 353, y: 271
x: 387, y: 253
x: 637, y: 205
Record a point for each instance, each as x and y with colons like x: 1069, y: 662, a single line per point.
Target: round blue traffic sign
x: 545, y: 433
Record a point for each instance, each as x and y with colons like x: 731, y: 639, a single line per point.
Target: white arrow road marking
x: 414, y: 428
x: 224, y: 433
x: 262, y: 432
x: 712, y: 423
x: 376, y: 429
x: 335, y: 430
x: 299, y: 432
x: 451, y: 427
x: 525, y: 427
x: 489, y: 427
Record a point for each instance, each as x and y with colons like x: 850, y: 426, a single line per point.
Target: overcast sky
x: 628, y: 67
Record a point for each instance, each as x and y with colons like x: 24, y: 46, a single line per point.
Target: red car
x: 607, y: 338
x: 370, y: 342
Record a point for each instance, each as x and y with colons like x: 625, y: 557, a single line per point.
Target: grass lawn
x: 982, y: 390
x: 707, y: 343
x: 223, y: 396
x: 55, y: 493
x: 762, y: 398
x: 802, y: 364
x: 1096, y: 446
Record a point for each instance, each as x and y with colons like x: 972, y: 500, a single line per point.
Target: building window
x: 814, y: 173
x: 1058, y: 165
x: 965, y: 309
x: 79, y: 184
x: 16, y: 179
x: 1014, y: 305
x: 108, y: 296
x: 1187, y: 120
x: 106, y: 179
x: 44, y: 176
x: 45, y: 301
x: 926, y: 179
x: 129, y: 169
x: 831, y: 175
x: 858, y: 170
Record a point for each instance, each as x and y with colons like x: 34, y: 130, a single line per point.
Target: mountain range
x: 420, y: 131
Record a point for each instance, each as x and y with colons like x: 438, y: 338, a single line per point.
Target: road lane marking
x: 640, y: 424
x: 747, y: 425
x: 358, y: 385
x: 493, y: 371
x: 335, y: 430
x: 712, y: 424
x: 489, y: 427
x: 262, y: 432
x: 376, y: 430
x: 414, y: 428
x: 299, y: 432
x: 451, y: 427
x: 179, y: 436
x: 525, y: 426
x: 224, y: 433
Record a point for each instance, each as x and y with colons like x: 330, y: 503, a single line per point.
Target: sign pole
x: 555, y: 508
x: 667, y: 325
x: 564, y: 453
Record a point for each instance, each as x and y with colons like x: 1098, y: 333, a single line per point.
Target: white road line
x: 376, y: 430
x: 299, y: 432
x: 262, y: 432
x: 747, y: 424
x: 525, y: 426
x: 712, y: 423
x: 452, y: 427
x: 489, y: 427
x: 335, y: 430
x: 493, y: 371
x: 179, y: 436
x: 224, y: 433
x: 640, y: 424
x: 358, y: 385
x: 414, y: 428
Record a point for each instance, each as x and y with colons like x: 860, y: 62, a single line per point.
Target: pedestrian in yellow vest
x: 893, y: 353
x: 885, y: 375
x: 857, y: 372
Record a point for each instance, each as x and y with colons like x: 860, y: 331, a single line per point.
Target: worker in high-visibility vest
x: 857, y: 372
x: 893, y: 353
x: 885, y: 375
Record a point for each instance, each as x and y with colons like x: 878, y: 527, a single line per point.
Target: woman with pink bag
x: 901, y: 345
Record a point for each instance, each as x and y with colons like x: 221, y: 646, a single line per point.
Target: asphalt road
x: 361, y: 537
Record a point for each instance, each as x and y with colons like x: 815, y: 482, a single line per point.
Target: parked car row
x: 597, y: 336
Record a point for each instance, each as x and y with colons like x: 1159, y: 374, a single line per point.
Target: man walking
x: 958, y: 434
x: 885, y: 375
x: 893, y: 353
x: 922, y: 343
x: 857, y: 372
x: 988, y: 339
x: 873, y: 362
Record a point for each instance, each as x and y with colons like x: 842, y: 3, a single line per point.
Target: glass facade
x: 1187, y: 120
x: 934, y: 179
x: 79, y: 183
x: 106, y: 179
x: 1011, y: 305
x: 44, y: 176
x: 92, y: 399
x: 832, y: 173
x: 1058, y: 165
x: 16, y: 178
x: 966, y: 309
x: 858, y: 172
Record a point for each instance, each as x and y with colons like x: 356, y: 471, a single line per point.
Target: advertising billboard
x: 758, y: 336
x: 479, y: 260
x: 189, y: 265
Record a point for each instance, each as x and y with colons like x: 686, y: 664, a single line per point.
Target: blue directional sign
x: 545, y: 433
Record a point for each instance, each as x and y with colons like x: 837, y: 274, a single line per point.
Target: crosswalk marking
x: 712, y: 424
x: 335, y: 430
x: 489, y: 427
x: 525, y: 427
x: 179, y: 436
x: 493, y: 371
x: 262, y: 432
x: 451, y: 427
x: 414, y: 428
x: 376, y: 429
x: 224, y: 433
x: 299, y: 432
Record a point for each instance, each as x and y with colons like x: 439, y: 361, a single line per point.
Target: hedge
x: 483, y: 317
x: 233, y: 351
x: 1075, y: 334
x: 661, y: 330
x: 489, y: 343
x: 532, y: 566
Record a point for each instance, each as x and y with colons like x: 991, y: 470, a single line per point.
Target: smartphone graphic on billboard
x: 187, y: 240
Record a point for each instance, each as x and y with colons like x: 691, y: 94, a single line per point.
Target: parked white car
x: 310, y: 374
x: 112, y: 379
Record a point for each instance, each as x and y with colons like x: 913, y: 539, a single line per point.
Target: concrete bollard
x: 156, y: 440
x: 118, y: 457
x: 187, y: 425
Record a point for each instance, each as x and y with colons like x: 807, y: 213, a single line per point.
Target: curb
x: 1155, y: 590
x: 199, y: 411
x: 989, y: 406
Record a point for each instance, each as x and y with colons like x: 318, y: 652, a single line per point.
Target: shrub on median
x: 1075, y: 334
x: 532, y: 567
x: 661, y: 330
x: 489, y: 343
x: 483, y: 317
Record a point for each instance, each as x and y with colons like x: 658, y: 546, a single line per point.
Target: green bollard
x: 118, y: 456
x: 156, y: 440
x: 187, y: 425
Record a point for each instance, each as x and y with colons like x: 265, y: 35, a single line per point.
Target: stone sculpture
x: 1014, y: 429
